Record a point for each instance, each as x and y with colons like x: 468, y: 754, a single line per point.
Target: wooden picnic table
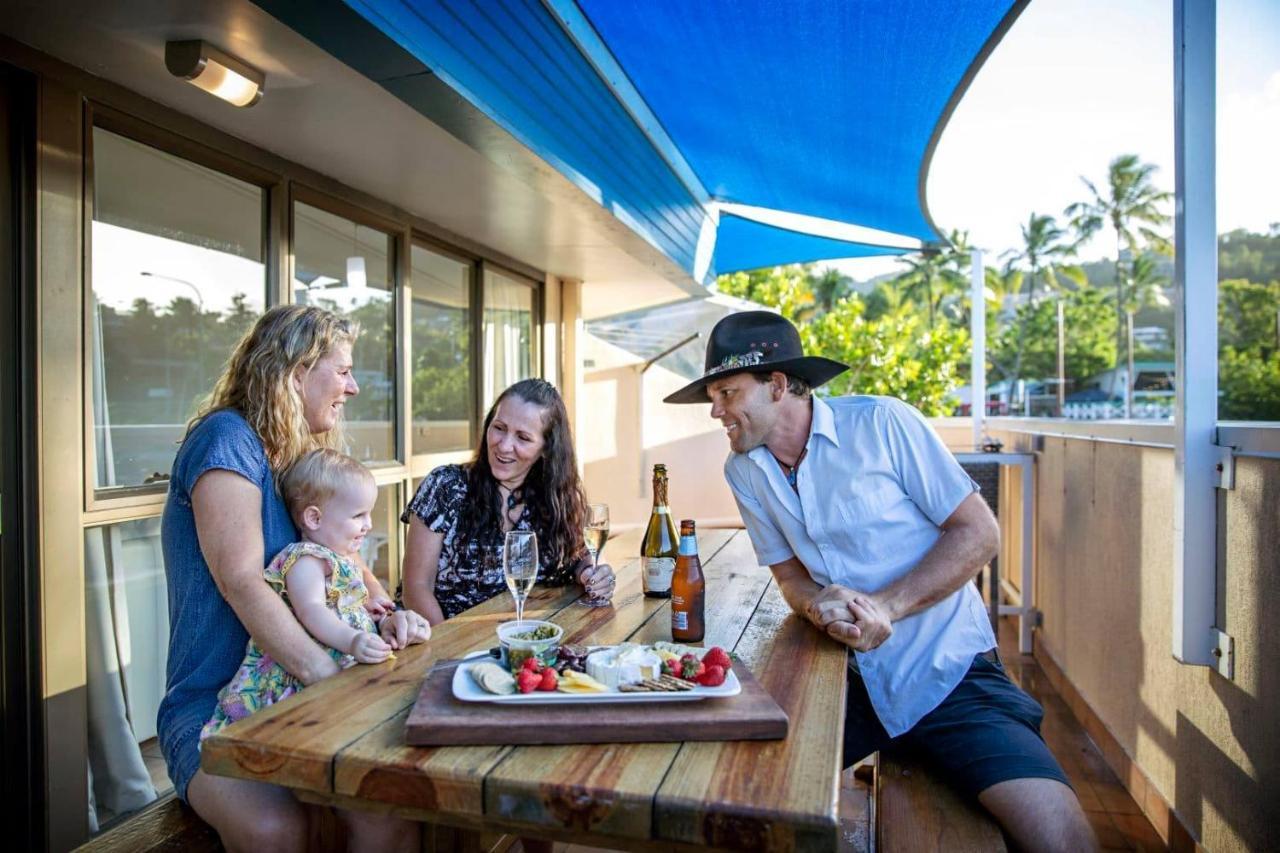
x: 341, y: 742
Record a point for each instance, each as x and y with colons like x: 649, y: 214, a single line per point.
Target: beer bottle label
x: 658, y: 572
x: 679, y: 620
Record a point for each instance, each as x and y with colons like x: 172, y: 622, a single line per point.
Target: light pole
x: 1128, y: 379
x: 1062, y: 359
x: 194, y: 289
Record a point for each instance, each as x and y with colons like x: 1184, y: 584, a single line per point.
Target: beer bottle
x: 688, y: 590
x: 658, y: 550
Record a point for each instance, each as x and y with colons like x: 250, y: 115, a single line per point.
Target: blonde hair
x: 258, y: 379
x: 316, y: 477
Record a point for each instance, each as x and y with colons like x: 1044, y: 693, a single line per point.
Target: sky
x: 1075, y: 83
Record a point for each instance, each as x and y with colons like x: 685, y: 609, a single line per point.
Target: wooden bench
x: 168, y: 824
x: 915, y: 812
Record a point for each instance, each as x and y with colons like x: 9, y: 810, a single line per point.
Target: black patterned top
x: 470, y: 573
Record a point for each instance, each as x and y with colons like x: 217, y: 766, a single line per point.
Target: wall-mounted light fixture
x: 216, y: 71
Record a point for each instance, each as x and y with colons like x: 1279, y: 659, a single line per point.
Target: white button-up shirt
x: 874, y: 487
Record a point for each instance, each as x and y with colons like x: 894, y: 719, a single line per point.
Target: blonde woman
x: 280, y: 397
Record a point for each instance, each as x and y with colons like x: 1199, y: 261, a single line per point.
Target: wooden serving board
x: 438, y: 719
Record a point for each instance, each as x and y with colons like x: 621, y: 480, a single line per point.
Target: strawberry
x: 717, y: 656
x: 690, y: 667
x: 671, y: 667
x: 713, y: 677
x: 532, y: 664
x: 549, y: 681
x: 528, y: 681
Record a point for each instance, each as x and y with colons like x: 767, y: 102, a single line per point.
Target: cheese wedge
x: 624, y: 664
x: 579, y: 682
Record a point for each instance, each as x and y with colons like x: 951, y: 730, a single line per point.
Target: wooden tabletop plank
x: 294, y: 743
x: 734, y: 585
x: 716, y: 794
x: 608, y: 790
x: 380, y: 767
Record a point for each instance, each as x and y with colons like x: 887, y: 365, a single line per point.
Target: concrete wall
x: 1104, y: 581
x: 624, y: 428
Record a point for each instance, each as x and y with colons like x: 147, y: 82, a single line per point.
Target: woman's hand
x: 599, y: 582
x: 403, y: 628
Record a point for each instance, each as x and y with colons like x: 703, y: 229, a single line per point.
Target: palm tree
x: 1044, y: 253
x: 936, y: 273
x: 1132, y: 208
x: 829, y: 286
x: 1145, y: 290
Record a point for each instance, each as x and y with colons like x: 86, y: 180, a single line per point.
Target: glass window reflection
x: 508, y: 332
x: 441, y: 352
x: 175, y: 285
x: 347, y: 267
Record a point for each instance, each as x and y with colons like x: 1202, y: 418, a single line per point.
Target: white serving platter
x: 466, y: 689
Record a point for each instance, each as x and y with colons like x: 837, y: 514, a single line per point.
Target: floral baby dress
x: 261, y: 681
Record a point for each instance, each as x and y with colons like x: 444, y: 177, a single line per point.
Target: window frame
x: 124, y: 503
x: 424, y: 462
x: 398, y: 232
x: 537, y: 309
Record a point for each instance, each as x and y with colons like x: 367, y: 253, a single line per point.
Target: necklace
x: 790, y: 470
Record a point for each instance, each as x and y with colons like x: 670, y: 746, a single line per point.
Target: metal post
x: 978, y: 334
x: 1062, y: 360
x: 1196, y: 331
x: 1129, y: 377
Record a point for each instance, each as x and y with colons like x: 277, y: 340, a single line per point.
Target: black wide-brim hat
x: 756, y: 342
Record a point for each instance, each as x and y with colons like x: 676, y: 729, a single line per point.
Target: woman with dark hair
x: 523, y: 477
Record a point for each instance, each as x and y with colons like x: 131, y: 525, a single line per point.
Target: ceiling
x: 320, y: 113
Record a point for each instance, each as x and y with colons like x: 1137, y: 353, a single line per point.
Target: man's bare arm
x: 797, y: 587
x: 970, y: 538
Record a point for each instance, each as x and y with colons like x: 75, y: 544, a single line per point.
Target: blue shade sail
x: 515, y: 64
x: 655, y: 108
x: 744, y: 244
x: 826, y: 108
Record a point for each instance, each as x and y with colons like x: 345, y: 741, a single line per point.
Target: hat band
x: 733, y: 362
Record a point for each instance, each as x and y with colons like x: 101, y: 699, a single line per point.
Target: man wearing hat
x: 874, y: 532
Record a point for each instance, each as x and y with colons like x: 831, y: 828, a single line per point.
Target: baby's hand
x: 379, y: 606
x: 369, y: 648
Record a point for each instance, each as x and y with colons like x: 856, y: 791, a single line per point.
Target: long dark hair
x: 552, y: 490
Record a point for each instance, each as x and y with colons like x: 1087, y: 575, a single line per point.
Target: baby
x: 331, y: 498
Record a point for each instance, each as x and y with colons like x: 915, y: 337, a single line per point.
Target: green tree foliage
x: 786, y: 288
x: 1255, y: 257
x: 1249, y: 385
x: 1247, y: 314
x: 937, y: 276
x: 895, y: 355
x: 1043, y: 255
x: 1089, y: 324
x: 1133, y: 207
x: 1249, y: 350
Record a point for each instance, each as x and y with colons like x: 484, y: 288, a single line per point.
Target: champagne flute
x: 595, y: 532
x: 520, y: 566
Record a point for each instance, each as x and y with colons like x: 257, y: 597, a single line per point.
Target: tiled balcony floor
x: 1116, y: 818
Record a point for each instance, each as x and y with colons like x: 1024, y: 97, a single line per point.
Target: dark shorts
x: 987, y: 731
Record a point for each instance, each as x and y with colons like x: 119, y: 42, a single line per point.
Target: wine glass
x: 595, y: 532
x: 520, y: 566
